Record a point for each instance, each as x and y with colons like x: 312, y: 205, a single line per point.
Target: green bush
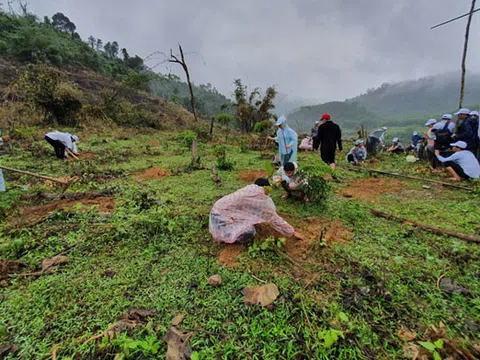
x: 187, y: 137
x: 314, y: 172
x: 222, y: 162
x: 43, y: 88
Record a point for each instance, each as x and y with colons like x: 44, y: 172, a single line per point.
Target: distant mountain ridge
x: 400, y: 105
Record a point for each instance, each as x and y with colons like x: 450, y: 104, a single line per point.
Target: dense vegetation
x: 360, y: 287
x: 55, y: 42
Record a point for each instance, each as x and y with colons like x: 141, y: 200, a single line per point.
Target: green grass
x: 158, y: 247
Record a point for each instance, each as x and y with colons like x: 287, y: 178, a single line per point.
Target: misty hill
x: 55, y: 41
x: 402, y: 106
x: 429, y: 95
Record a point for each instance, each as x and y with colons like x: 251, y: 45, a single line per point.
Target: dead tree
x: 464, y: 57
x: 181, y: 61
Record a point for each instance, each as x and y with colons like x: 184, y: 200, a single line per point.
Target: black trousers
x: 327, y: 154
x: 316, y: 143
x: 351, y: 159
x: 457, y: 169
x: 57, y: 146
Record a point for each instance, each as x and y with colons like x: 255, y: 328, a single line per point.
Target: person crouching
x: 233, y: 217
x: 462, y: 165
x: 358, y: 153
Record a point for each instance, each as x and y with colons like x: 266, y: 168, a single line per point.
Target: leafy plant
x: 330, y: 337
x: 131, y: 348
x: 313, y: 174
x: 433, y: 348
x: 222, y: 162
x: 187, y: 137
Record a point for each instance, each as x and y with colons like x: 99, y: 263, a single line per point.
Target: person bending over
x: 233, y: 217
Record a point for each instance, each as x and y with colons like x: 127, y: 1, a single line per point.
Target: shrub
x: 187, y: 137
x: 314, y: 172
x: 42, y: 88
x: 222, y: 162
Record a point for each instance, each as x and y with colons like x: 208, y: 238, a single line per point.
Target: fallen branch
x: 409, y: 177
x: 73, y: 196
x: 435, y: 230
x: 420, y: 179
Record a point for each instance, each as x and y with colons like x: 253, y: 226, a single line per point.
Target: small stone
x: 177, y: 319
x: 215, y: 280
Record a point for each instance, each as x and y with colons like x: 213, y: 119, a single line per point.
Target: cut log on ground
x: 73, y: 196
x: 410, y: 177
x: 435, y: 230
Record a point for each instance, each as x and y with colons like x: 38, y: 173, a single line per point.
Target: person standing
x: 2, y: 180
x: 466, y: 130
x: 287, y: 140
x: 474, y: 116
x: 314, y: 135
x: 329, y: 135
x: 430, y: 148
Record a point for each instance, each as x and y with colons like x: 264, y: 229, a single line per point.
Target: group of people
x: 455, y: 146
x: 64, y: 145
x: 233, y: 217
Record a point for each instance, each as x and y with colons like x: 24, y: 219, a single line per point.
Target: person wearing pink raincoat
x: 233, y: 217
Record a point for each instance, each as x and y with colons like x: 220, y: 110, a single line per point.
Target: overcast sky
x: 316, y: 50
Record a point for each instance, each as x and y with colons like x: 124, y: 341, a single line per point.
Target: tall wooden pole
x: 464, y: 58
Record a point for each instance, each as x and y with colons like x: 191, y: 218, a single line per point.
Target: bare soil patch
x: 313, y: 230
x: 154, y: 143
x: 35, y: 214
x: 230, y: 254
x: 250, y: 176
x: 8, y: 267
x: 153, y: 173
x: 87, y: 155
x: 371, y: 189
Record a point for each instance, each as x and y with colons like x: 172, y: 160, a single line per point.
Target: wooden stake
x: 435, y: 230
x: 464, y: 57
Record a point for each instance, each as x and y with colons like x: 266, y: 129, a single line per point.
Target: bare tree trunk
x: 182, y: 62
x: 464, y: 58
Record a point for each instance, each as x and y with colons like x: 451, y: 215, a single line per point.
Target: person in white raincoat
x: 287, y: 140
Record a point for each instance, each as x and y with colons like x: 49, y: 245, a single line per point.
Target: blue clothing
x: 287, y: 136
x: 467, y: 132
x: 358, y: 153
x: 466, y: 160
x: 416, y: 139
x: 314, y: 131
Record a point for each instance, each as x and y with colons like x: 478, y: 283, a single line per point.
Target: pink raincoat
x: 233, y: 217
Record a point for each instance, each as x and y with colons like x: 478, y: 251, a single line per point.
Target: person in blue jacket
x: 466, y: 129
x: 287, y: 140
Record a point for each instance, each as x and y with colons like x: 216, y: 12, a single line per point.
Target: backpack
x: 443, y: 138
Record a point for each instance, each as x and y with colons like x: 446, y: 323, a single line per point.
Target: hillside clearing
x: 349, y: 290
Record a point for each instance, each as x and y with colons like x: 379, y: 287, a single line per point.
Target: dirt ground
x: 371, y: 189
x: 87, y: 155
x: 153, y: 173
x: 313, y: 230
x: 8, y: 267
x: 230, y: 254
x: 250, y: 176
x: 154, y: 143
x: 36, y: 214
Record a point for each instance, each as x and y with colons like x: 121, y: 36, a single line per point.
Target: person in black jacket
x: 329, y: 135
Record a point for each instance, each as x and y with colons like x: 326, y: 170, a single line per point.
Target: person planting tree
x: 233, y: 217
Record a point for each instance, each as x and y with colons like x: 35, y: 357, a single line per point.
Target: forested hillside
x: 54, y: 41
